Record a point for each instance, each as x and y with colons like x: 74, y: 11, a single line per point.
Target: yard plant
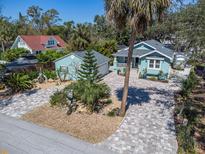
x: 13, y: 54
x: 49, y: 56
x: 88, y: 90
x: 189, y: 116
x: 18, y: 82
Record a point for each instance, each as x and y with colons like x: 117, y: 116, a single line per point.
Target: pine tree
x: 89, y: 69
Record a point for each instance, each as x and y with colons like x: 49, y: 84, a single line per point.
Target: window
x: 38, y: 52
x: 51, y: 42
x: 155, y: 64
x: 151, y: 64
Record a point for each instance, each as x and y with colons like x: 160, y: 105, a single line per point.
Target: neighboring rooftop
x: 100, y: 58
x: 37, y: 42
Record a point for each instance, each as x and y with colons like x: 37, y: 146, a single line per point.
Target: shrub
x: 49, y: 56
x: 109, y: 101
x: 114, y: 112
x: 13, y: 54
x: 50, y: 74
x: 111, y: 113
x: 18, y: 82
x: 58, y: 99
x: 185, y: 139
x: 189, y: 84
x: 32, y: 75
x: 88, y: 93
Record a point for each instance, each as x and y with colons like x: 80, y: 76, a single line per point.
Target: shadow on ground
x: 9, y: 100
x: 136, y: 96
x: 139, y: 96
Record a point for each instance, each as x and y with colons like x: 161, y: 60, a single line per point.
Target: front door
x: 135, y: 61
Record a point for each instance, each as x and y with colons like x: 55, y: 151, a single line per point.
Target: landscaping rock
x: 50, y: 80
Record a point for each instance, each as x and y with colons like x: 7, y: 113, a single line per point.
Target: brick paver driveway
x: 148, y: 127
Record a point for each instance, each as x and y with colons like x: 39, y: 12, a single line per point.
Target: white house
x: 38, y: 43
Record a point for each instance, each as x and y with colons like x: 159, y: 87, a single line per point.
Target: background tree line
x: 184, y: 27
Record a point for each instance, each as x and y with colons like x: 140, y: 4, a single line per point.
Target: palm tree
x: 137, y: 14
x: 81, y: 37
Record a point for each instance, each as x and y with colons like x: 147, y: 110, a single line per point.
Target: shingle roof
x: 100, y: 58
x: 136, y: 52
x: 160, y: 47
x: 140, y: 52
x: 37, y: 42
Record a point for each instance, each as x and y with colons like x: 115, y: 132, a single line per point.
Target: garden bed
x: 93, y: 128
x: 190, y: 124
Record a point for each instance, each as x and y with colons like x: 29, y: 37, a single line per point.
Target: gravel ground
x: 148, y: 126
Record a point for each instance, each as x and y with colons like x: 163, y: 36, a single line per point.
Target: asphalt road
x: 20, y: 137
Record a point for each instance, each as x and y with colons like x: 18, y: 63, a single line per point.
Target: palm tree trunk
x: 150, y: 14
x: 127, y: 75
x: 2, y: 46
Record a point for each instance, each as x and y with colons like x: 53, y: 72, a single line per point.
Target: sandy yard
x: 93, y: 128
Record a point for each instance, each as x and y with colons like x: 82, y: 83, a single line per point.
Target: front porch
x: 144, y: 67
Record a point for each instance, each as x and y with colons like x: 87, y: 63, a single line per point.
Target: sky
x: 76, y: 10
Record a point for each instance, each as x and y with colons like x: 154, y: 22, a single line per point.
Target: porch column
x: 115, y: 64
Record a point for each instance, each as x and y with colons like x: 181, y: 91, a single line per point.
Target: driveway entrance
x: 148, y: 126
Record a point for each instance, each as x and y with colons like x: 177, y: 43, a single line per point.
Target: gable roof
x: 155, y: 45
x: 37, y: 42
x: 101, y: 59
x: 160, y: 47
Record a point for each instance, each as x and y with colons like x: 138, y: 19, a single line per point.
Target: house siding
x: 21, y: 44
x: 143, y: 47
x: 72, y: 63
x: 164, y: 65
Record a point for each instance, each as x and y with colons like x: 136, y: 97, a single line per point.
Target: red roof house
x: 38, y: 43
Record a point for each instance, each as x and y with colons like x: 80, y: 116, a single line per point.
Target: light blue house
x: 68, y: 66
x: 150, y: 58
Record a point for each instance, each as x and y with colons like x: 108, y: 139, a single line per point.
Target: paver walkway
x: 20, y: 137
x: 148, y: 127
x: 19, y: 104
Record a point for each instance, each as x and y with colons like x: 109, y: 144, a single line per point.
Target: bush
x: 88, y: 93
x: 59, y: 98
x: 185, y: 139
x: 13, y: 54
x: 189, y: 84
x: 33, y: 75
x: 114, y: 112
x: 49, y: 56
x: 50, y: 74
x: 18, y: 82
